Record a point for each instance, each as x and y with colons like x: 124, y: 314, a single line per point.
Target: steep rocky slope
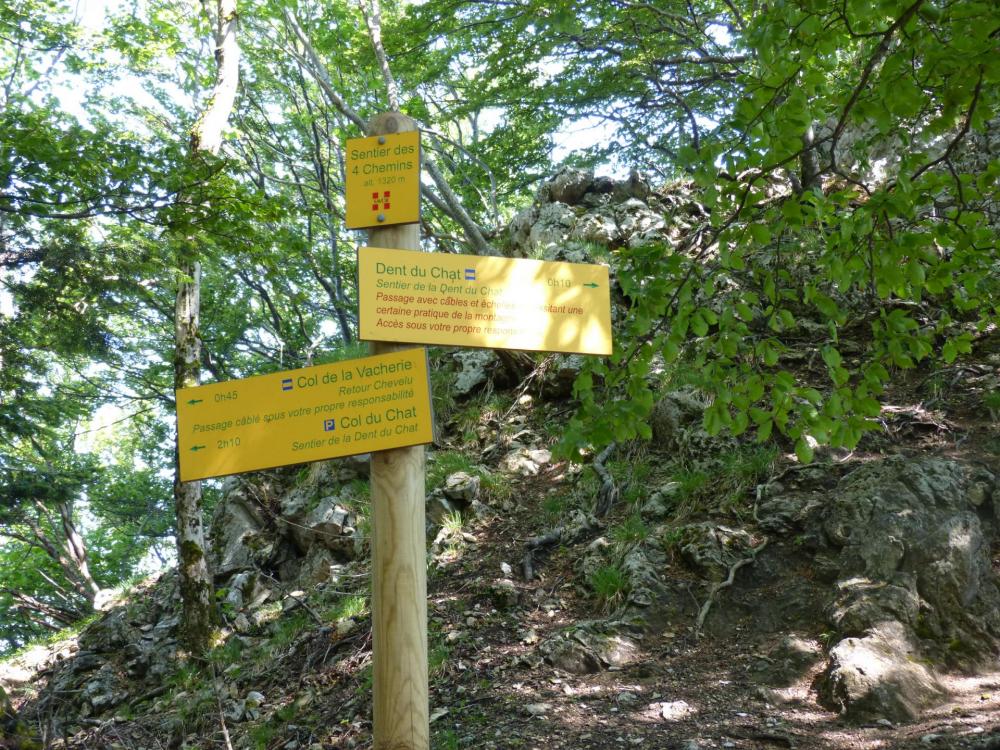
x: 688, y: 592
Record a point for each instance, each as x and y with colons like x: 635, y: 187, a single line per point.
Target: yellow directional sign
x: 383, y: 180
x: 472, y: 300
x: 291, y: 417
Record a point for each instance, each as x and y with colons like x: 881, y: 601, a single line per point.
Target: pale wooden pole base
x: 399, y: 553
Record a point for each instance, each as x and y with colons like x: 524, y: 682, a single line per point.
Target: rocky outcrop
x: 879, y: 676
x: 900, y: 570
x: 907, y: 544
x: 575, y: 211
x: 296, y: 526
x: 589, y: 648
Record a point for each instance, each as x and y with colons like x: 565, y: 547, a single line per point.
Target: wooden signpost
x: 382, y: 404
x: 457, y: 300
x: 399, y: 544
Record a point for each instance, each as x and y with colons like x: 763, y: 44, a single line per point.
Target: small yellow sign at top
x: 383, y: 180
x: 489, y: 302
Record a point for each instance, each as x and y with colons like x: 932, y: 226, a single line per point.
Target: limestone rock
x: 576, y: 210
x: 567, y: 186
x: 110, y: 633
x: 911, y: 528
x: 504, y: 594
x: 438, y: 507
x: 598, y: 228
x: 674, y: 710
x: 569, y: 251
x: 907, y: 542
x: 520, y: 226
x: 641, y: 566
x: 712, y: 549
x: 558, y: 379
x: 661, y: 501
x: 879, y: 676
x: 329, y: 525
x: 588, y: 649
x: 474, y: 367
x: 102, y: 692
x: 317, y: 567
x: 570, y: 656
x: 525, y: 461
x: 246, y: 589
x: 636, y: 187
x: 462, y: 487
x: 552, y: 225
x: 481, y: 510
x: 237, y: 534
x: 674, y: 413
x: 861, y: 603
x: 538, y: 709
x: 639, y: 224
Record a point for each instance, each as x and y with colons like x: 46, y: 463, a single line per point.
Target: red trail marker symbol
x: 385, y: 201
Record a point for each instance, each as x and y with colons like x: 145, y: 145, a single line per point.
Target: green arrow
x: 194, y: 401
x: 198, y: 447
x: 592, y: 285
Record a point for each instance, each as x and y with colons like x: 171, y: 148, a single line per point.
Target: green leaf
x: 832, y: 357
x: 713, y: 420
x: 803, y: 451
x: 698, y: 324
x: 760, y: 234
x: 949, y: 351
x: 764, y: 430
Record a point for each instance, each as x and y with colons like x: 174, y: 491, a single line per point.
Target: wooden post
x: 399, y: 551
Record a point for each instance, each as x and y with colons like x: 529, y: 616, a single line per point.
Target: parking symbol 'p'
x: 329, y: 425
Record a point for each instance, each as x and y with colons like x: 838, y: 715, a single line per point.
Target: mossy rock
x: 14, y: 734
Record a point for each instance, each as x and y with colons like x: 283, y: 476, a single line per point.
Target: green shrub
x: 347, y: 607
x: 630, y: 531
x: 610, y: 585
x: 441, y: 464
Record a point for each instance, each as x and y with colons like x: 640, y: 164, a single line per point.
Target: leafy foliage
x: 838, y: 163
x: 850, y: 202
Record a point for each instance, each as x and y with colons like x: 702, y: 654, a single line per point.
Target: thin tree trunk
x: 77, y: 551
x: 80, y: 579
x: 372, y: 11
x: 809, y: 160
x: 200, y: 615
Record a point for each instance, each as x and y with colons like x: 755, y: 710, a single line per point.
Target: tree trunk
x: 70, y: 555
x: 200, y: 615
x: 809, y: 161
x: 77, y: 551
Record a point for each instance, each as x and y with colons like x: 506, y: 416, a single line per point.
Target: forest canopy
x: 842, y: 159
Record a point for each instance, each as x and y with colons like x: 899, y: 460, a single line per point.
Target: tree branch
x: 373, y: 20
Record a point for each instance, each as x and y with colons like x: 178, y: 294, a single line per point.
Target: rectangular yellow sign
x: 473, y: 300
x: 311, y: 414
x: 383, y: 180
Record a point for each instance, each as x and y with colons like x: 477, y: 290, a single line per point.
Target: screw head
x: 381, y: 140
x: 381, y: 217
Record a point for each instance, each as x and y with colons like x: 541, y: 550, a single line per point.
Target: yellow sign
x: 383, y: 180
x: 472, y: 300
x: 291, y: 417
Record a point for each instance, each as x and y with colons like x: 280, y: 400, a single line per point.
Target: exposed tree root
x: 725, y: 584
